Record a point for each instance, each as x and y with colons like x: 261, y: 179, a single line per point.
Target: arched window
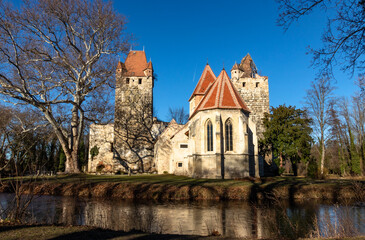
x: 209, y: 136
x: 228, y: 136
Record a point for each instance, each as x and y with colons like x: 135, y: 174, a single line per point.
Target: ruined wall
x: 163, y: 148
x: 181, y: 151
x: 101, y: 137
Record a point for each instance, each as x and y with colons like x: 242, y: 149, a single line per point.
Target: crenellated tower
x: 254, y: 90
x: 134, y: 112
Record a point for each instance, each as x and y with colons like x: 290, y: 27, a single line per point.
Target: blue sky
x: 179, y: 37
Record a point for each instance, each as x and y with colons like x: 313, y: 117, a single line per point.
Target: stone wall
x: 196, y: 161
x: 255, y: 93
x: 133, y: 122
x: 163, y: 151
x: 101, y: 137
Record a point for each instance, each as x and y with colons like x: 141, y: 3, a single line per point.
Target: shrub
x: 312, y: 170
x: 94, y: 152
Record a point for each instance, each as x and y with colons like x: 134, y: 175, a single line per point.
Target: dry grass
x: 170, y: 187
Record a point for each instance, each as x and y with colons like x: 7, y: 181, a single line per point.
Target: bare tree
x: 358, y: 116
x: 318, y: 100
x: 136, y: 132
x: 22, y: 133
x: 55, y: 56
x: 179, y: 114
x: 344, y: 38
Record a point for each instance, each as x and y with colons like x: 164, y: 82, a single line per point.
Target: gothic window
x: 140, y: 81
x: 209, y: 136
x: 228, y: 135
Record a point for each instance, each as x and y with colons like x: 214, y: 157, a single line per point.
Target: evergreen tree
x: 287, y: 136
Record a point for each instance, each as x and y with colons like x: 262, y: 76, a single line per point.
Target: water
x: 236, y: 219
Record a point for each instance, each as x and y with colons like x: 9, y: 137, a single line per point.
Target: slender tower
x: 133, y: 112
x: 254, y: 90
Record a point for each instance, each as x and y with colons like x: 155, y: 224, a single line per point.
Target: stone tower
x: 133, y: 112
x: 254, y: 90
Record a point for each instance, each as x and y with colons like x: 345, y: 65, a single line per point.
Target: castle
x: 220, y: 140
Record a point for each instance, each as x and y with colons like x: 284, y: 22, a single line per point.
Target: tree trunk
x: 322, y: 157
x: 71, y: 159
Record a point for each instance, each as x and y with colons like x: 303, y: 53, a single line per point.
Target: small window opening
x: 140, y: 81
x: 257, y: 84
x: 244, y: 84
x: 183, y: 145
x: 209, y: 136
x: 127, y: 81
x: 111, y: 147
x: 228, y: 136
x: 179, y: 164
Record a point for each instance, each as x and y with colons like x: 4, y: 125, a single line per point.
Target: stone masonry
x: 254, y: 90
x: 133, y: 112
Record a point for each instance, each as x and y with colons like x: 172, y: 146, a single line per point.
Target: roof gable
x: 206, y: 80
x: 223, y: 95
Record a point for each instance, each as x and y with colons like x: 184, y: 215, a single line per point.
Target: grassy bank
x: 170, y: 187
x: 25, y: 232
x: 30, y: 232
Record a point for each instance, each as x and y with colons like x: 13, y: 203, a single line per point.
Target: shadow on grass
x: 95, y: 233
x: 109, y: 234
x: 5, y: 228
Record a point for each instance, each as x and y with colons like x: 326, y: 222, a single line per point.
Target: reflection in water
x: 237, y: 219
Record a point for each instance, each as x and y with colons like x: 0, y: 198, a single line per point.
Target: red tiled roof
x: 120, y: 65
x: 207, y: 78
x: 136, y: 63
x: 222, y: 94
x: 235, y: 66
x: 149, y: 65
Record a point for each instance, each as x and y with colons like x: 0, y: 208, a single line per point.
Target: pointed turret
x: 248, y: 66
x: 149, y: 70
x: 149, y: 65
x: 235, y: 72
x: 119, y: 66
x: 235, y: 67
x: 206, y: 80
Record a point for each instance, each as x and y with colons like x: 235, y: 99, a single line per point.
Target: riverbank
x: 170, y: 187
x: 40, y: 232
